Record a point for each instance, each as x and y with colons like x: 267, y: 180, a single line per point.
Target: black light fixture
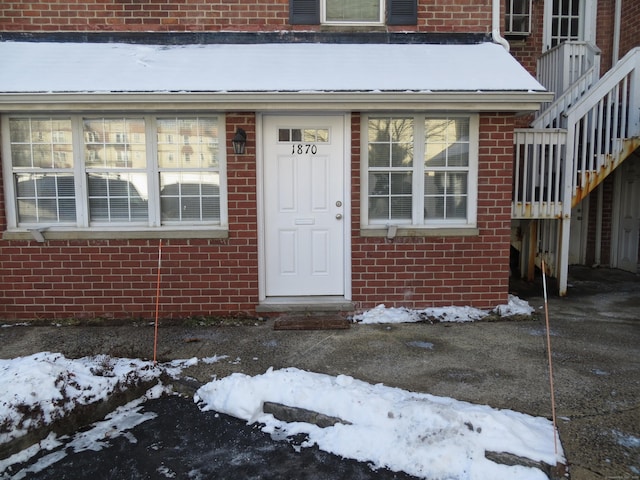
x: 239, y: 141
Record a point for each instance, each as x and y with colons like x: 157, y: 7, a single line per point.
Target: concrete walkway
x: 595, y: 337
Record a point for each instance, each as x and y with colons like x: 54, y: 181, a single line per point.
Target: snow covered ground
x: 420, y: 434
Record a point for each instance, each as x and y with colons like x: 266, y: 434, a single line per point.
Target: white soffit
x: 48, y: 68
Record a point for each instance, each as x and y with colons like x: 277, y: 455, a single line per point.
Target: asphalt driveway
x: 595, y: 336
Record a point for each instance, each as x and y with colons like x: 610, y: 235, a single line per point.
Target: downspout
x: 495, y: 26
x: 616, y: 32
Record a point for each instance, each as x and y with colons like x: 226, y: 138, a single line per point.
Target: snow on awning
x: 293, y: 68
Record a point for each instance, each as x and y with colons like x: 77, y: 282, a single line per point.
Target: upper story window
x: 518, y: 17
x: 350, y: 12
x: 91, y: 172
x: 420, y: 171
x: 569, y: 20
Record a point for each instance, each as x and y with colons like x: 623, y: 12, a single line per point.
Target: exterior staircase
x: 589, y: 129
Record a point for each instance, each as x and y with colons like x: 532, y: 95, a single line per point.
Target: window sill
x: 42, y: 235
x: 410, y: 231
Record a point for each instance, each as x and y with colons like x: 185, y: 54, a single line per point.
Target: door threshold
x: 305, y: 304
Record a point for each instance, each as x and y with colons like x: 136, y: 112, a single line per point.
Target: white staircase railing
x: 538, y: 173
x: 555, y: 168
x: 560, y: 67
x: 599, y: 122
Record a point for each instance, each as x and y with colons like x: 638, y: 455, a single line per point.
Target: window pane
x: 401, y: 183
x: 117, y: 198
x: 190, y: 196
x: 390, y: 142
x: 379, y: 155
x: 433, y: 208
x: 447, y: 142
x: 353, y: 10
x: 378, y: 208
x: 187, y: 142
x: 188, y: 151
x: 115, y: 143
x: 45, y: 198
x: 401, y: 208
x: 457, y: 207
x: 445, y: 195
x: 41, y: 143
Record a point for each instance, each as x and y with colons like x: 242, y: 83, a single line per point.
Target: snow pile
x: 42, y: 388
x: 420, y: 434
x: 382, y: 314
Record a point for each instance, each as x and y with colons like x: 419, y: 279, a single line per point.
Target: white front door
x: 304, y: 224
x: 629, y: 216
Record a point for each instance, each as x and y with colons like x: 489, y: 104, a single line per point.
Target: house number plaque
x: 300, y: 148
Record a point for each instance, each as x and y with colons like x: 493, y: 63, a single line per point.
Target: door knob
x: 339, y: 216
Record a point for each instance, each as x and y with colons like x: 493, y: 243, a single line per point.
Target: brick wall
x: 208, y: 16
x: 118, y: 278
x: 630, y: 35
x: 440, y: 271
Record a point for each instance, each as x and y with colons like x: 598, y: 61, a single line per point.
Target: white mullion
x: 222, y: 170
x: 472, y: 175
x: 419, y: 137
x: 153, y: 171
x: 79, y: 172
x: 8, y: 173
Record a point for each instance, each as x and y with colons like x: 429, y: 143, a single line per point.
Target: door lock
x: 338, y: 203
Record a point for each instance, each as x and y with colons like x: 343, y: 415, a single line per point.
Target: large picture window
x: 139, y: 171
x: 420, y: 170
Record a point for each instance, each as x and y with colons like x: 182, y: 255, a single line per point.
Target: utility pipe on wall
x: 495, y: 26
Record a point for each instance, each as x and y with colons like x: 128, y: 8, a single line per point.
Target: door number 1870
x: 301, y: 148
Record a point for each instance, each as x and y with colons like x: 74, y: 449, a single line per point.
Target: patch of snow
x: 420, y: 434
x: 44, y: 387
x: 382, y: 314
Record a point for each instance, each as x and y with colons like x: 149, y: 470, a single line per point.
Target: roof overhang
x: 325, y: 101
x: 45, y: 76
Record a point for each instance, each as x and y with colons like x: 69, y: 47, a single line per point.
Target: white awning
x: 263, y: 72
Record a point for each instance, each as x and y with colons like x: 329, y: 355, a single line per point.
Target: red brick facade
x: 209, y: 16
x: 117, y: 278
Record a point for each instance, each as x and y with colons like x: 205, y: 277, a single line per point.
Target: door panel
x: 303, y: 199
x: 629, y: 217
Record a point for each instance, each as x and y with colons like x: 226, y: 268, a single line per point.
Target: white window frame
x: 80, y: 169
x: 587, y: 22
x: 516, y: 18
x: 324, y: 21
x: 418, y: 222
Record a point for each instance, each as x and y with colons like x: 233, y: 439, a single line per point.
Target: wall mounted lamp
x: 239, y: 141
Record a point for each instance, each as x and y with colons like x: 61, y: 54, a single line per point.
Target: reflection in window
x: 42, y: 164
x: 307, y: 135
x: 390, y: 168
x: 194, y: 196
x: 446, y: 163
x: 353, y: 11
x: 45, y: 197
x: 145, y: 171
x: 115, y: 198
x: 432, y: 191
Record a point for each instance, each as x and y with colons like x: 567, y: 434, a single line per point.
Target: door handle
x: 339, y: 216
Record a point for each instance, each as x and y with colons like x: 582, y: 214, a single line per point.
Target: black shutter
x: 402, y: 12
x: 304, y: 12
